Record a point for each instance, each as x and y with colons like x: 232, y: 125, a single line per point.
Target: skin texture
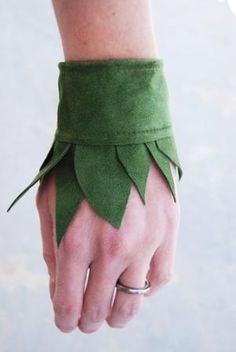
x: 103, y: 29
x: 144, y: 246
x: 93, y: 255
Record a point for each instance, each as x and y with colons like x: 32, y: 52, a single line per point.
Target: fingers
x: 99, y: 294
x: 127, y: 305
x: 87, y: 238
x: 71, y: 273
x: 162, y: 263
x: 46, y: 225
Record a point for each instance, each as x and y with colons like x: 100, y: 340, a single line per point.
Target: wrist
x: 105, y: 30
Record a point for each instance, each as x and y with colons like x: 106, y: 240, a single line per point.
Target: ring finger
x: 127, y: 305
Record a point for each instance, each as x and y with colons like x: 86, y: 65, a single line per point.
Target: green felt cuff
x: 113, y: 119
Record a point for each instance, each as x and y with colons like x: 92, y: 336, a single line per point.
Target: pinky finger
x: 162, y: 264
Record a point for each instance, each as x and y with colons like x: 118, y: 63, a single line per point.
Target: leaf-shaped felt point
x: 55, y: 154
x: 103, y: 180
x: 168, y: 147
x: 164, y: 164
x: 136, y: 160
x: 68, y: 194
x: 48, y: 157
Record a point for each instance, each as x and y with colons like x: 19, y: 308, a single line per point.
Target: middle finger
x: 99, y: 293
x: 71, y: 273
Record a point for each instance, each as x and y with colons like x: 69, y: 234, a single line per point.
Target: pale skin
x: 93, y: 254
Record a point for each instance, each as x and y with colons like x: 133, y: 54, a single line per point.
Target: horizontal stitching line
x: 123, y: 69
x: 125, y: 132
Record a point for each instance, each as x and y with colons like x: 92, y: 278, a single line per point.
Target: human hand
x: 143, y: 246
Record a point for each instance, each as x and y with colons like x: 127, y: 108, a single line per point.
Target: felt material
x: 103, y: 180
x: 168, y: 147
x: 68, y: 193
x: 163, y: 164
x: 113, y: 102
x: 136, y: 161
x: 55, y: 154
x: 113, y: 120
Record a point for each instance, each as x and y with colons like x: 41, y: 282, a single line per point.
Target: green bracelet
x: 113, y: 119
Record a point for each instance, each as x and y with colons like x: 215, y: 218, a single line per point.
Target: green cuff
x: 113, y: 119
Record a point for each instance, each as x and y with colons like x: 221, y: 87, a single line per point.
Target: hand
x: 144, y: 246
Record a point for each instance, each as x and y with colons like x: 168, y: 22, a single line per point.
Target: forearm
x: 106, y: 191
x: 105, y: 29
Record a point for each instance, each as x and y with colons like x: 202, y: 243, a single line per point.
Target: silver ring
x: 134, y: 290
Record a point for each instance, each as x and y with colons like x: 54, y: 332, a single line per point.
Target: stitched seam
x: 123, y: 132
x: 171, y: 136
x: 120, y: 66
x: 123, y: 69
x: 123, y: 64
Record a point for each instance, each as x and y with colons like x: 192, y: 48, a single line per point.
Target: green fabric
x: 55, y: 154
x: 168, y: 147
x: 112, y: 102
x: 103, y: 180
x: 163, y: 164
x: 68, y: 193
x: 113, y: 120
x: 136, y: 161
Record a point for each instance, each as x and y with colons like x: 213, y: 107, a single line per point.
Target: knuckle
x: 94, y: 313
x: 114, y: 246
x: 128, y: 310
x: 159, y: 283
x: 73, y: 245
x: 63, y: 309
